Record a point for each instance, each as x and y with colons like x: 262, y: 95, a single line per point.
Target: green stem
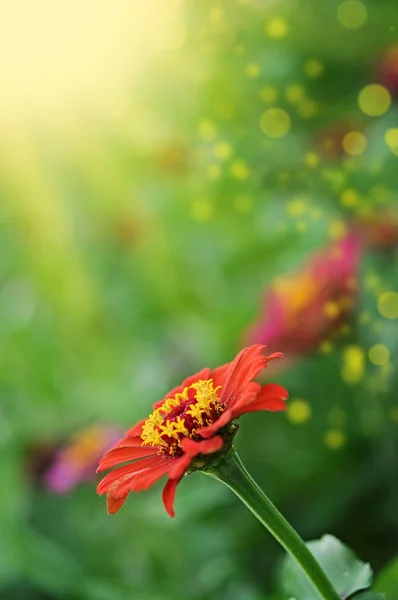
x: 232, y: 472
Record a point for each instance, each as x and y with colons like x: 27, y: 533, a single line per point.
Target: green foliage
x: 370, y: 596
x: 347, y: 573
x: 387, y: 580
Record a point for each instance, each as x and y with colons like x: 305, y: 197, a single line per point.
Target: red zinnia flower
x: 302, y: 307
x: 188, y: 422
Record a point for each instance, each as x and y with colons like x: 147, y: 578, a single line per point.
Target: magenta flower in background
x: 301, y: 308
x: 77, y: 461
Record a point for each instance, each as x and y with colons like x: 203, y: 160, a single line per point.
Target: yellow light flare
x: 334, y: 439
x: 59, y: 58
x: 388, y: 305
x: 313, y: 68
x: 353, y: 364
x: 202, y: 211
x: 275, y: 123
x: 352, y: 14
x: 277, y: 28
x: 298, y: 411
x: 354, y: 143
x: 379, y: 355
x: 374, y: 100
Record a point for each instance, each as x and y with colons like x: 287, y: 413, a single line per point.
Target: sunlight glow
x: 61, y: 57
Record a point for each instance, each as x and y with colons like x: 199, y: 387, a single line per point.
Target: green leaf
x: 387, y: 580
x: 347, y: 573
x: 369, y: 596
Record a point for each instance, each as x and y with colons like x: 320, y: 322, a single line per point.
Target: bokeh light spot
x: 331, y: 309
x: 222, y: 150
x: 307, y: 109
x: 296, y: 207
x: 275, y: 122
x: 269, y: 94
x: 391, y: 139
x: 352, y: 14
x: 298, y: 411
x: 207, y: 130
x: 311, y: 160
x: 325, y: 347
x: 239, y: 170
x: 353, y: 364
x: 334, y: 439
x: 313, y: 68
x: 201, y: 210
x: 379, y: 354
x: 252, y: 70
x: 388, y: 305
x: 295, y: 93
x: 349, y: 198
x: 217, y: 14
x: 277, y: 29
x: 354, y: 143
x: 374, y: 100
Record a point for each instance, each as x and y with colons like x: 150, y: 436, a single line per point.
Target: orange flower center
x: 182, y: 416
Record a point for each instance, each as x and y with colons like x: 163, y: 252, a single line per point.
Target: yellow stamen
x: 165, y: 432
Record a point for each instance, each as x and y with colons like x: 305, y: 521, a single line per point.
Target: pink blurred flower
x: 77, y: 461
x: 302, y: 307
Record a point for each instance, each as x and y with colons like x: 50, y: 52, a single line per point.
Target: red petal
x: 207, y: 432
x: 140, y: 465
x: 168, y: 495
x: 247, y: 395
x: 246, y: 366
x: 127, y: 442
x: 114, y: 504
x: 136, y: 430
x: 192, y: 449
x: 272, y: 404
x: 218, y: 375
x: 272, y: 397
x: 121, y: 455
x: 203, y: 447
x: 143, y: 479
x: 180, y: 466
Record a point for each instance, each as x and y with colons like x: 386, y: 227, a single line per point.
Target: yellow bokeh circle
x: 275, y: 122
x: 391, y: 139
x: 352, y: 14
x: 334, y: 439
x: 379, y: 354
x: 354, y: 143
x: 277, y: 29
x: 201, y: 210
x: 374, y: 100
x: 388, y: 305
x: 299, y: 411
x: 313, y: 68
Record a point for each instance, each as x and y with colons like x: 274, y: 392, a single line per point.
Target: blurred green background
x: 161, y: 166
